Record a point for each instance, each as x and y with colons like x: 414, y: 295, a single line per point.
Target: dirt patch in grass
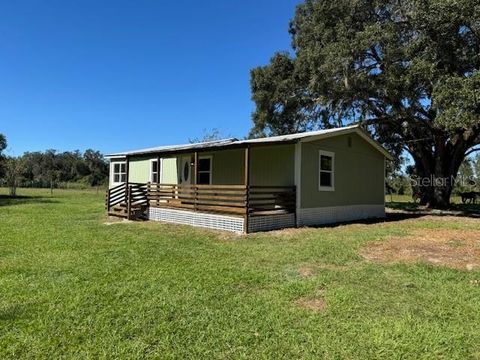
x: 226, y: 236
x: 292, y: 233
x: 459, y: 249
x: 306, y: 271
x: 114, y: 221
x: 315, y: 305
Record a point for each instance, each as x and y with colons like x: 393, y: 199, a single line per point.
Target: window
x: 326, y: 171
x: 204, y: 171
x: 119, y: 172
x: 154, y: 171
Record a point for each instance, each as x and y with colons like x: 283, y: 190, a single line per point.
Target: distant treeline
x: 57, y: 169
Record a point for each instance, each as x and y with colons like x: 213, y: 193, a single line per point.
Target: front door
x: 185, y: 171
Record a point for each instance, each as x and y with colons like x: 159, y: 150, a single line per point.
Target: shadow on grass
x: 405, y: 211
x: 10, y: 312
x: 455, y: 209
x: 391, y: 217
x: 6, y: 200
x: 404, y: 206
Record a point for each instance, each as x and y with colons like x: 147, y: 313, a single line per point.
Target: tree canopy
x: 3, y: 143
x: 49, y: 168
x: 3, y: 146
x: 408, y: 70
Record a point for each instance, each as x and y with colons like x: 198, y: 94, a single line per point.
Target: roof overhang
x: 115, y: 157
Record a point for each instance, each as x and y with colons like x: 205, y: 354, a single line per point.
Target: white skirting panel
x: 305, y: 217
x: 333, y: 214
x: 270, y: 222
x: 211, y: 221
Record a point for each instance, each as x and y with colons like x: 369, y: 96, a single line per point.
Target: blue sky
x: 117, y: 75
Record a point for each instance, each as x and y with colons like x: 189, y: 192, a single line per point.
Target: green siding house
x: 304, y: 179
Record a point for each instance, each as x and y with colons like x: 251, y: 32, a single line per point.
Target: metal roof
x: 233, y: 142
x: 173, y: 148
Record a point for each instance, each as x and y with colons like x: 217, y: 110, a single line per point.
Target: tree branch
x: 472, y: 151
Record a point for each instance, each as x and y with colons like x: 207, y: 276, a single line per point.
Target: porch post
x: 127, y: 174
x: 195, y: 189
x: 127, y: 168
x: 158, y: 169
x: 129, y: 202
x: 195, y: 167
x: 247, y: 188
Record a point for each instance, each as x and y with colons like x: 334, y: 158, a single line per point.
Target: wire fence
x: 56, y: 185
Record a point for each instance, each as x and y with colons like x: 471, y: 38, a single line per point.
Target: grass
x: 73, y: 287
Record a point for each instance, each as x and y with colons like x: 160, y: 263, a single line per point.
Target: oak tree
x: 408, y: 70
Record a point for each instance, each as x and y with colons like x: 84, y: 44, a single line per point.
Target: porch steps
x: 137, y: 212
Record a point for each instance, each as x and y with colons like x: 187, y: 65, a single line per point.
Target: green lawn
x: 73, y: 287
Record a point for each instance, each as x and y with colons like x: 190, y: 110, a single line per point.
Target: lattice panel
x: 271, y: 222
x: 211, y: 221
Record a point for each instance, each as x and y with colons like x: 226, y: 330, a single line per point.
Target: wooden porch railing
x: 137, y: 194
x: 116, y: 195
x: 229, y: 199
x: 239, y: 200
x: 270, y: 200
x: 130, y: 195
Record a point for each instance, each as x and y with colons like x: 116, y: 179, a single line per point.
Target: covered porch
x: 197, y: 199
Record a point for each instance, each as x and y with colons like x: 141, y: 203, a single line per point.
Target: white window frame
x: 159, y: 163
x: 332, y: 155
x: 210, y: 171
x: 113, y: 163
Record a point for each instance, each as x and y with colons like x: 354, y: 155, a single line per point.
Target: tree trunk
x: 440, y: 198
x: 435, y: 189
x: 13, y: 190
x: 436, y: 173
